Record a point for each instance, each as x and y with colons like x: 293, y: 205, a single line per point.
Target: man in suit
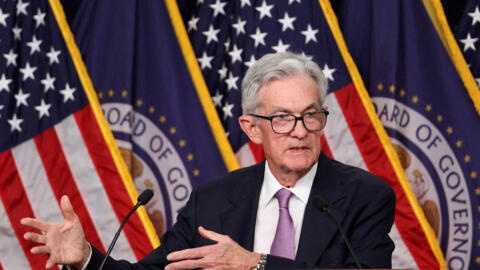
x: 262, y: 217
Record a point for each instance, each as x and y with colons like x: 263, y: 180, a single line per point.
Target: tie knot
x: 283, y: 196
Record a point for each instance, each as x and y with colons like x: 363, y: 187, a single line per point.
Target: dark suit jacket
x: 364, y: 205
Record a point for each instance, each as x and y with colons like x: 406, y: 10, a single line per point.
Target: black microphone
x: 142, y: 200
x: 319, y: 203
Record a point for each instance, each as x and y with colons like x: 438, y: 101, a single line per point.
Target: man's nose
x: 299, y: 130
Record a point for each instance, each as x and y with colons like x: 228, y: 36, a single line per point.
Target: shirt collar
x: 301, y: 190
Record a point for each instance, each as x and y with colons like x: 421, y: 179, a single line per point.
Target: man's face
x: 298, y: 150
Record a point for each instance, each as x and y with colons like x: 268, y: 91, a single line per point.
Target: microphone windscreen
x: 145, y: 197
x: 320, y: 203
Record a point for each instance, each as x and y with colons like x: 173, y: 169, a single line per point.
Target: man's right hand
x: 64, y: 243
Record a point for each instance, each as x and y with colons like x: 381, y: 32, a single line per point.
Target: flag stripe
x: 339, y: 136
x: 11, y: 253
x: 112, y: 184
x: 17, y: 206
x: 92, y: 191
x: 61, y: 180
x: 34, y: 179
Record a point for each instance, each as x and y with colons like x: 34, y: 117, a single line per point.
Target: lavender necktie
x: 284, y: 242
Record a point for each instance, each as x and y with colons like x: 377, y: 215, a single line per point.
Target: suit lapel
x: 239, y: 217
x: 318, y: 229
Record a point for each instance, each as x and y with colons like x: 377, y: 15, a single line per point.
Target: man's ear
x: 251, y: 128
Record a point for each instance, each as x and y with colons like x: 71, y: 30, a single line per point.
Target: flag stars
x: 172, y: 130
x: 280, y: 47
x: 4, y: 82
x: 139, y: 102
x: 100, y: 95
x: 3, y: 17
x: 469, y: 43
x: 15, y: 123
x: 250, y: 62
x: 428, y: 108
x: 218, y: 8
x: 415, y: 99
x: 245, y: 3
x: 196, y: 172
x: 34, y: 45
x: 1, y: 107
x: 467, y: 158
x: 439, y: 118
x: 459, y: 143
x: 22, y: 8
x: 265, y: 10
x: 477, y: 191
x: 111, y: 93
x: 231, y: 82
x: 473, y: 174
x: 48, y: 83
x: 227, y: 110
x: 222, y: 72
x: 43, y: 109
x: 287, y: 22
x: 217, y: 99
x: 293, y: 1
x: 475, y: 15
x: 402, y: 93
x: 17, y: 31
x: 328, y: 72
x: 205, y: 61
x: 151, y: 109
x: 28, y: 71
x: 239, y: 26
x: 11, y: 58
x: 192, y: 23
x: 67, y: 93
x: 21, y: 98
x: 211, y: 34
x: 39, y: 18
x: 236, y: 54
x: 310, y: 34
x: 392, y: 88
x: 449, y: 130
x: 53, y: 56
x: 259, y: 37
x: 162, y: 119
x: 380, y: 87
x: 124, y: 93
x: 190, y: 157
x: 182, y: 143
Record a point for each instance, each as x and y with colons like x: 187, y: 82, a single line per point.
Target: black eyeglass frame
x: 270, y: 118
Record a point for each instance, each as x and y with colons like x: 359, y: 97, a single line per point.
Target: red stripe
x: 62, y: 182
x: 326, y: 147
x: 17, y: 206
x: 378, y: 163
x: 257, y: 151
x: 112, y: 182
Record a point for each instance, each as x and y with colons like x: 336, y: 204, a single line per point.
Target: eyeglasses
x: 285, y: 123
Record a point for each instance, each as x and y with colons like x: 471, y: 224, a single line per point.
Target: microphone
x: 321, y: 205
x: 142, y: 200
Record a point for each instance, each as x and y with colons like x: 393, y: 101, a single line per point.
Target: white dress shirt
x: 268, y: 210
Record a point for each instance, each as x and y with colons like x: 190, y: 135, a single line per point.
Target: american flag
x: 229, y: 36
x: 53, y: 141
x: 468, y: 35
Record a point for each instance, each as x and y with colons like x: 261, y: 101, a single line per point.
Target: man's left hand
x: 225, y: 254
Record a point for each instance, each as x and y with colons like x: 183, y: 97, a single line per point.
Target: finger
x: 35, y: 237
x: 50, y: 263
x: 211, y: 235
x: 40, y: 250
x: 67, y: 208
x: 188, y: 264
x: 189, y: 253
x: 35, y: 223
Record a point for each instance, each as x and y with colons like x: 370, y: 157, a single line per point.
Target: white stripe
x: 34, y: 178
x: 11, y: 253
x: 345, y: 149
x: 339, y: 137
x: 245, y: 156
x: 91, y: 188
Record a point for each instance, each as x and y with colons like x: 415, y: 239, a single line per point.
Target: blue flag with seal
x: 422, y: 101
x: 154, y: 103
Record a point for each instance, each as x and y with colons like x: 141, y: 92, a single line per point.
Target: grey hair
x: 276, y: 66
